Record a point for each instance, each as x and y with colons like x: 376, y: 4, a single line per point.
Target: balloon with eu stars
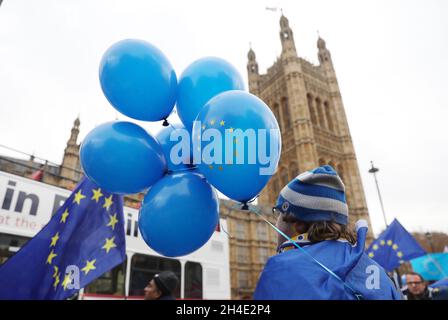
x: 179, y: 214
x: 236, y: 144
x: 138, y: 80
x: 122, y: 157
x: 201, y: 81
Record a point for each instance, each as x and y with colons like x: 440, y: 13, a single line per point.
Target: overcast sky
x: 391, y: 59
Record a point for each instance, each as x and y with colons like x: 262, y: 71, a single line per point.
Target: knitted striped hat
x: 317, y: 195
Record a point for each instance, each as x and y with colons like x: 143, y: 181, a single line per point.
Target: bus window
x: 143, y: 269
x: 193, y: 280
x: 110, y: 283
x: 9, y: 245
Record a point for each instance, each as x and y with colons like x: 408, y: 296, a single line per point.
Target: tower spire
x: 287, y: 38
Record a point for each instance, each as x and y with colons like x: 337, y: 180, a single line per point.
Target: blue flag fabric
x: 293, y: 275
x: 394, y: 246
x: 84, y: 239
x: 433, y: 266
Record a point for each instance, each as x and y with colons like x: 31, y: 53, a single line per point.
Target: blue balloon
x: 138, y: 80
x: 122, y: 157
x: 201, y: 81
x: 240, y: 144
x: 181, y: 159
x: 179, y: 214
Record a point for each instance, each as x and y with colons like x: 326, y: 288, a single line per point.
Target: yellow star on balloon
x: 78, y: 197
x: 113, y: 221
x: 64, y: 216
x: 90, y: 265
x: 54, y: 239
x: 96, y: 195
x: 108, y: 202
x: 51, y: 257
x: 67, y: 281
x: 222, y: 123
x: 212, y: 122
x: 109, y: 244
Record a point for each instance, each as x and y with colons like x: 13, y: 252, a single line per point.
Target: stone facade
x: 307, y: 103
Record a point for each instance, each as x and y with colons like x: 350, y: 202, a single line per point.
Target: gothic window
x: 320, y: 113
x: 328, y: 113
x: 286, y: 114
x: 262, y: 231
x: 243, y: 279
x: 242, y: 254
x: 263, y: 254
x: 277, y: 113
x: 311, y: 108
x: 240, y: 230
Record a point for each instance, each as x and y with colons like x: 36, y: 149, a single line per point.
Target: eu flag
x: 433, y: 266
x: 84, y: 239
x: 394, y: 246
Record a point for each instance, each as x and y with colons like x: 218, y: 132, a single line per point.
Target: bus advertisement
x: 27, y: 205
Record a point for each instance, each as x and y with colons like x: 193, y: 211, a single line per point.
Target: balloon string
x: 225, y: 231
x: 354, y: 292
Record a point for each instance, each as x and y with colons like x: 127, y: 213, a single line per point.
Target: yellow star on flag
x: 108, y: 202
x: 96, y: 195
x: 51, y: 257
x: 56, y: 280
x: 90, y: 265
x: 64, y: 216
x: 375, y: 247
x: 56, y: 271
x: 113, y: 221
x: 78, y: 197
x: 395, y: 247
x: 109, y: 244
x: 399, y: 254
x: 54, y: 239
x: 389, y: 242
x: 382, y: 242
x: 371, y: 255
x: 67, y: 281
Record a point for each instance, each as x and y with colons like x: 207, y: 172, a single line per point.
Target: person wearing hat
x: 320, y: 257
x: 162, y: 286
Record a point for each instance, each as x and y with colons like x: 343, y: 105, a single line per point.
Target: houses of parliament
x: 307, y: 103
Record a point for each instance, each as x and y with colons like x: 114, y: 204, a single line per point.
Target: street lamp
x: 374, y: 171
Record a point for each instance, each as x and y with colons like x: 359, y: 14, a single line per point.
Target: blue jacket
x: 293, y: 275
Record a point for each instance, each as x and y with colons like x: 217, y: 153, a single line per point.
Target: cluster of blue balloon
x: 180, y: 210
